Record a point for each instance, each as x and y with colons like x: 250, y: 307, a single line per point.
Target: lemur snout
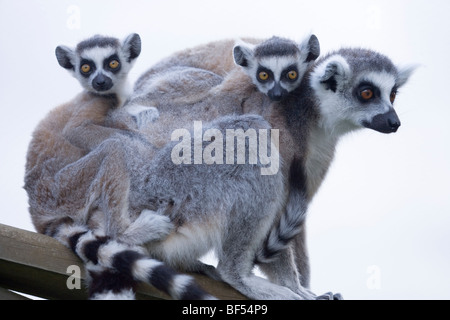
x: 277, y: 93
x: 394, y: 124
x: 384, y: 123
x: 102, y: 83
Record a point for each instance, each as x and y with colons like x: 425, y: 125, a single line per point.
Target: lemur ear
x: 310, y: 48
x: 132, y: 46
x: 65, y: 57
x: 243, y: 54
x: 404, y: 73
x: 334, y: 74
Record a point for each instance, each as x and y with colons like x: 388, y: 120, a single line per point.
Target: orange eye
x: 85, y: 68
x: 292, y: 75
x: 367, y: 94
x: 114, y: 64
x: 393, y: 96
x: 264, y: 76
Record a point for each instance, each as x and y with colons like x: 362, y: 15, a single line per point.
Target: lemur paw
x: 143, y: 115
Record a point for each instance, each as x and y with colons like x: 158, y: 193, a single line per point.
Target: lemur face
x: 277, y: 77
x: 357, y: 88
x: 101, y: 64
x: 99, y: 69
x: 276, y: 66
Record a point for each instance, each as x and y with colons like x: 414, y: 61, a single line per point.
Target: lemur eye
x: 292, y: 75
x: 114, y: 64
x: 85, y: 68
x: 393, y: 96
x: 264, y: 76
x: 367, y: 94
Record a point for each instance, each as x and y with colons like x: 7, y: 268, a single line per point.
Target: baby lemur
x: 73, y: 130
x: 75, y: 178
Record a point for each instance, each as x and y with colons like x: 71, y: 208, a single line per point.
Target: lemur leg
x: 100, y: 181
x: 236, y: 271
x: 237, y: 261
x: 301, y: 260
x: 283, y: 271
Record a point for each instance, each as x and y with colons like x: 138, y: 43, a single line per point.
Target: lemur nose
x: 102, y: 83
x: 394, y: 123
x: 100, y: 80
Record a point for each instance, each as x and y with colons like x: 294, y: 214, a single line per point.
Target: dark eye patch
x: 284, y: 74
x: 108, y: 60
x: 361, y: 92
x: 269, y: 73
x: 91, y: 64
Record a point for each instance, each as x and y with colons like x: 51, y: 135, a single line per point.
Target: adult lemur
x: 344, y: 91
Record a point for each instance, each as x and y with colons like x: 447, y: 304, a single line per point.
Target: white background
x: 379, y: 226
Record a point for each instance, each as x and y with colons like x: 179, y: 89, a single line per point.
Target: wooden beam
x: 9, y: 295
x: 36, y: 264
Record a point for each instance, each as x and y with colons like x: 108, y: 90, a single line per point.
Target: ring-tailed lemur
x: 161, y: 88
x: 348, y: 89
x: 77, y: 180
x: 276, y: 66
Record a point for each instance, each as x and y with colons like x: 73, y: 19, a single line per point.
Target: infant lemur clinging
x: 76, y: 176
x: 71, y: 131
x: 277, y: 65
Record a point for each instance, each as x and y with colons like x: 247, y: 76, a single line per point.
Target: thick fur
x: 77, y: 179
x: 211, y: 97
x: 185, y: 93
x: 311, y: 121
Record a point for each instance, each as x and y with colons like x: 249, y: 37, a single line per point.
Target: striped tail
x: 115, y: 268
x: 288, y: 227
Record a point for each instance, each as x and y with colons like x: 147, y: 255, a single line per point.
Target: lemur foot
x: 330, y: 296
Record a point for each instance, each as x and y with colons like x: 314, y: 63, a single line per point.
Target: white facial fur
x: 278, y: 66
x: 332, y: 107
x: 341, y: 109
x: 97, y: 56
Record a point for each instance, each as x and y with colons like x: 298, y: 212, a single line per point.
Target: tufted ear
x: 65, y: 57
x: 310, y: 48
x: 243, y: 54
x: 404, y: 73
x: 334, y: 74
x: 132, y: 46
